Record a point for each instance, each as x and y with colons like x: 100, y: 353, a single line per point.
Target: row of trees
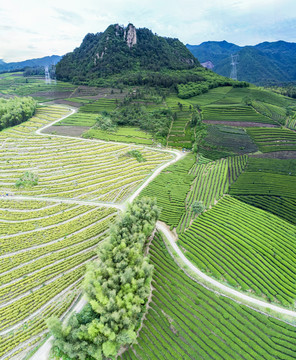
x: 117, y: 286
x: 16, y: 110
x: 190, y: 89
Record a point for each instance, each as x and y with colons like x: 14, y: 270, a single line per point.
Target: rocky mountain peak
x: 130, y: 35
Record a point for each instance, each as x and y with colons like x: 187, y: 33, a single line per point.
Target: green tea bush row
x: 248, y: 247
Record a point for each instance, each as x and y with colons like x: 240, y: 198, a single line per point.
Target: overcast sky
x: 37, y: 28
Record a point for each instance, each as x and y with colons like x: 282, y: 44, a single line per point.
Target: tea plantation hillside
x: 229, y: 202
x: 186, y: 321
x: 50, y: 227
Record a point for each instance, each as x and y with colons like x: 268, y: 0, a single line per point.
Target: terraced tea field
x: 45, y: 247
x: 234, y: 113
x: 180, y: 132
x: 230, y: 138
x: 246, y: 247
x: 50, y: 231
x: 269, y: 140
x: 124, y: 134
x: 79, y: 119
x: 99, y: 106
x: 187, y: 321
x: 180, y: 185
x: 269, y: 184
x: 70, y: 168
x: 211, y: 182
x: 171, y: 188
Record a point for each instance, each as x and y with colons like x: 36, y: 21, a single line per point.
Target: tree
x: 117, y: 286
x: 197, y: 207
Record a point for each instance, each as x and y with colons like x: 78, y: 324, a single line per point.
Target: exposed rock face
x: 208, y: 65
x: 123, y: 49
x: 130, y: 35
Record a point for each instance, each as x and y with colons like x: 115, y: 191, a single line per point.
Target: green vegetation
x: 276, y: 113
x: 15, y: 111
x: 79, y: 119
x: 269, y: 140
x: 191, y: 89
x: 156, y: 121
x: 197, y: 207
x: 211, y: 96
x: 283, y: 207
x: 268, y: 184
x: 186, y: 321
x: 211, y: 181
x: 229, y: 139
x: 17, y: 84
x: 28, y: 179
x: 95, y: 57
x: 48, y: 246
x: 272, y: 166
x: 247, y: 247
x: 99, y: 106
x: 234, y: 113
x: 137, y: 155
x: 125, y: 134
x: 261, y: 183
x: 117, y: 286
x: 191, y: 180
x: 170, y: 188
x: 70, y: 168
x: 252, y: 93
x: 291, y: 122
x: 45, y: 246
x: 246, y: 240
x: 286, y: 90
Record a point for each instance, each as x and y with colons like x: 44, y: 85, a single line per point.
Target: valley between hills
x: 218, y: 159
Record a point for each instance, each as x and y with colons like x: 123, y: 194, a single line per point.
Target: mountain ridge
x: 120, y: 49
x: 37, y: 62
x: 262, y: 64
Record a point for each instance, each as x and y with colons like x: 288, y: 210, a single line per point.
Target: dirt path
x: 43, y: 352
x: 223, y: 288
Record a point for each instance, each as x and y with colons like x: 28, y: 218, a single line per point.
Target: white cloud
x: 33, y: 28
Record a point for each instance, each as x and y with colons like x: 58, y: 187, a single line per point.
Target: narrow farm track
x: 43, y: 352
x: 223, y: 288
x: 56, y: 201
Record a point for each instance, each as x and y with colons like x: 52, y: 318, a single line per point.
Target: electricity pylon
x: 234, y: 62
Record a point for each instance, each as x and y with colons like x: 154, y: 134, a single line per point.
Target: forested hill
x: 262, y: 64
x: 120, y: 49
x: 33, y: 63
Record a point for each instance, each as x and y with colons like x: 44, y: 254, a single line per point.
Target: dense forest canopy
x: 16, y: 110
x: 267, y: 63
x: 121, y: 49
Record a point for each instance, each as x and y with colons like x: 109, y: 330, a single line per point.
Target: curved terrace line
x: 43, y: 352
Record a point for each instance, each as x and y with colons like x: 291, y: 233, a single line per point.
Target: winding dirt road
x: 43, y: 352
